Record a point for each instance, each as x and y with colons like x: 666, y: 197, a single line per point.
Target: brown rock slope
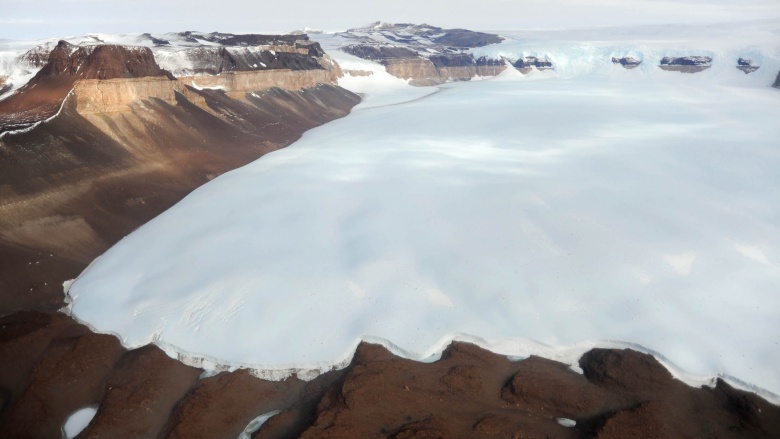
x: 122, y: 150
x: 54, y: 366
x: 472, y: 393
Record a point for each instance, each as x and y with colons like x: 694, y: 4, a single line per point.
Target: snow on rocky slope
x: 593, y: 205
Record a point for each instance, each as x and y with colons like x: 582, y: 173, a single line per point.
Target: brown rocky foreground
x: 53, y: 366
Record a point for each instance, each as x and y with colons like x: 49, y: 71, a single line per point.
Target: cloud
x: 24, y: 19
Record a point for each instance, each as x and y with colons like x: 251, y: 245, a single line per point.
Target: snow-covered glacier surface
x: 615, y: 208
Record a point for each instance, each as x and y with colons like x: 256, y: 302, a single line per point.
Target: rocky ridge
x: 287, y: 61
x: 54, y: 366
x: 628, y: 62
x: 686, y: 64
x: 423, y: 54
x: 746, y: 65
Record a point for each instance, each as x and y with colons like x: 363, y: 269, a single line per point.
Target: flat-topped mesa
x: 108, y: 78
x: 67, y: 64
x: 528, y: 63
x: 746, y: 65
x: 686, y: 64
x: 422, y: 35
x: 628, y: 62
x: 379, y: 53
x: 424, y: 54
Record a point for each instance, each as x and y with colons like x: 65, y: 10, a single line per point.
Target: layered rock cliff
x: 43, y: 96
x: 423, y: 54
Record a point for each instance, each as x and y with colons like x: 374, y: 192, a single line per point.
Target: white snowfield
x: 541, y: 214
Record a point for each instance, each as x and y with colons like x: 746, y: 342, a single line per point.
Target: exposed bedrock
x: 686, y: 64
x: 55, y: 366
x: 474, y: 393
x: 777, y: 81
x: 628, y: 62
x: 442, y: 68
x: 372, y: 52
x: 5, y: 84
x: 747, y: 65
x: 526, y: 63
x: 43, y: 95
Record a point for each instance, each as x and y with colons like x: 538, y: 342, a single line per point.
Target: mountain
x: 103, y: 138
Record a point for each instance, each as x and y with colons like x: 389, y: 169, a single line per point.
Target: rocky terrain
x: 423, y: 54
x: 777, y: 81
x: 54, y: 366
x: 686, y: 64
x: 747, y: 65
x: 628, y: 62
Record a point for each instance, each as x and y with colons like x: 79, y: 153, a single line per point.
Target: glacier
x: 541, y: 214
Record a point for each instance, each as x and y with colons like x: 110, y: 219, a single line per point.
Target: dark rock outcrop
x: 463, y: 38
x: 628, y: 62
x: 777, y: 81
x: 38, y: 56
x: 453, y: 60
x: 474, y: 393
x: 423, y: 54
x: 746, y: 65
x: 99, y: 62
x: 525, y: 65
x: 155, y: 41
x: 5, y: 85
x: 686, y: 64
x: 298, y: 41
x: 378, y: 53
x: 686, y: 61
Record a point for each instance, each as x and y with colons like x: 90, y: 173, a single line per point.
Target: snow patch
x: 681, y: 263
x: 78, y: 421
x: 256, y: 423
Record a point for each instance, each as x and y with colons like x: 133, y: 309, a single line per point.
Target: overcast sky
x: 26, y: 19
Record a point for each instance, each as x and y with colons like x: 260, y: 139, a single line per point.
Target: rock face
x: 53, y: 366
x: 777, y: 81
x: 526, y: 64
x: 380, y: 53
x: 5, y: 85
x: 422, y: 54
x: 438, y: 69
x: 423, y: 35
x: 629, y: 62
x: 686, y: 64
x: 472, y: 393
x: 43, y: 96
x: 746, y: 65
